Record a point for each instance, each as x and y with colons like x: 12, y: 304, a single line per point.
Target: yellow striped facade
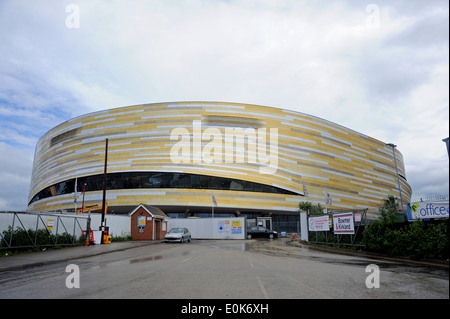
x: 314, y: 154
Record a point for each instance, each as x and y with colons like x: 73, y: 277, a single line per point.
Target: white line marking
x: 266, y: 295
x: 251, y: 264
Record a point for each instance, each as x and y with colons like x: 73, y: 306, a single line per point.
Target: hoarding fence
x: 353, y: 236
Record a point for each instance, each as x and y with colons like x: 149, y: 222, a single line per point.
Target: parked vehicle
x: 181, y: 235
x: 261, y: 232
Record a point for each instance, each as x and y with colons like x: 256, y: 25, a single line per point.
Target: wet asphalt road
x: 216, y: 269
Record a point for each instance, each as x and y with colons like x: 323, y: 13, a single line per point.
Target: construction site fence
x: 330, y: 238
x: 41, y: 229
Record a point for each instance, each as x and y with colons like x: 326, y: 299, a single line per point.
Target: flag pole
x: 214, y: 203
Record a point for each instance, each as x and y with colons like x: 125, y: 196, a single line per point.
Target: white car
x: 178, y: 235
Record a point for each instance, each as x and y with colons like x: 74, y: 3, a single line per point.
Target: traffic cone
x: 87, y: 239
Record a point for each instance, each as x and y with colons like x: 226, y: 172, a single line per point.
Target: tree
x: 380, y: 235
x: 310, y: 208
x: 389, y: 211
x: 305, y: 206
x: 316, y: 210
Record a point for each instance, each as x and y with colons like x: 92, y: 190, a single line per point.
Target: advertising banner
x: 427, y: 209
x: 319, y: 223
x: 343, y: 223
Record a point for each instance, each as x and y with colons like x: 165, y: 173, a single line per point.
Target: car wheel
x: 182, y: 240
x: 249, y: 236
x: 271, y: 236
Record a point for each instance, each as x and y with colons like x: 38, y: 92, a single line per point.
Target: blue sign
x: 427, y: 209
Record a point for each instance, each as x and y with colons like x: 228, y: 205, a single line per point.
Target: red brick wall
x: 148, y: 229
x: 149, y: 226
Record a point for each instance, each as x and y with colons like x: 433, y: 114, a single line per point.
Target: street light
x: 396, y: 171
x: 445, y: 140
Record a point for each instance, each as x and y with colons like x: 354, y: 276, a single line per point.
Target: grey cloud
x: 313, y: 57
x: 15, y: 172
x: 429, y: 178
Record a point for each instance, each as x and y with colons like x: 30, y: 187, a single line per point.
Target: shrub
x: 26, y: 238
x: 418, y: 240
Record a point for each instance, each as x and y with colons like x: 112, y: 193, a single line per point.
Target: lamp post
x: 445, y: 140
x: 396, y: 171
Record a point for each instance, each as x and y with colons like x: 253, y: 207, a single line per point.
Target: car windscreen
x: 176, y: 230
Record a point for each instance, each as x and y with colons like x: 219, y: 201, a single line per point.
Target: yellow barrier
x: 107, y: 239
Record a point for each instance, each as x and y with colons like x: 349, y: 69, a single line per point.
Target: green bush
x: 428, y: 240
x: 26, y: 238
x: 418, y: 240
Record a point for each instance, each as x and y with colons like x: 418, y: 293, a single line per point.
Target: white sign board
x: 50, y: 224
x: 427, y: 209
x: 343, y: 223
x: 319, y: 223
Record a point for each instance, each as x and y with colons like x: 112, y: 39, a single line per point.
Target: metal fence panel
x: 40, y: 229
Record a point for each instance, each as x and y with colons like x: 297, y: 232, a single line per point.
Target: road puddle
x: 158, y: 257
x: 145, y: 259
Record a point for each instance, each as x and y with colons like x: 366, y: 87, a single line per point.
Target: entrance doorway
x: 260, y: 221
x: 157, y: 229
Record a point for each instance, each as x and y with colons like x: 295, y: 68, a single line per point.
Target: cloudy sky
x: 378, y: 67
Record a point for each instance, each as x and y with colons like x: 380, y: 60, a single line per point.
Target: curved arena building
x: 185, y: 157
